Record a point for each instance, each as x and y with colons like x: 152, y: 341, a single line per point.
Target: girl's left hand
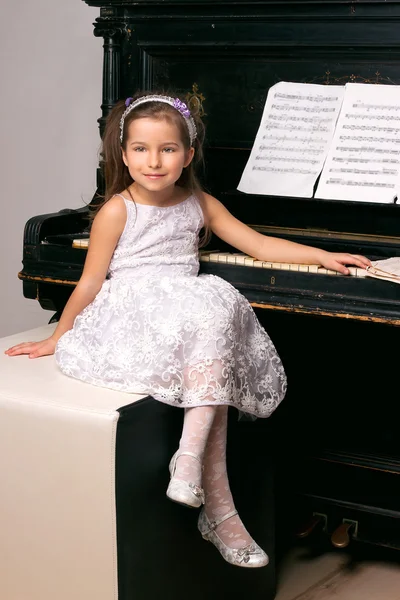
x: 336, y: 261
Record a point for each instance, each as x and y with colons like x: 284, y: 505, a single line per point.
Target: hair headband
x: 174, y: 102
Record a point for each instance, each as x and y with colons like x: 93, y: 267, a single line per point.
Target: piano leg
x: 56, y: 317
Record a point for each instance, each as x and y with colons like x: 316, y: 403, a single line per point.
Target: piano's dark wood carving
x: 337, y: 432
x: 113, y: 32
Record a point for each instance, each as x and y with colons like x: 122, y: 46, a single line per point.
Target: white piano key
x: 294, y: 267
x: 231, y: 259
x: 240, y: 259
x: 223, y: 257
x: 81, y: 243
x: 313, y: 268
x: 249, y: 262
x: 304, y: 268
x: 357, y: 272
x: 258, y: 263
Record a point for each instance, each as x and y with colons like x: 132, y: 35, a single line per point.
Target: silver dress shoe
x: 251, y: 556
x: 181, y: 491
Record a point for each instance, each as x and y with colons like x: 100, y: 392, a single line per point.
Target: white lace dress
x: 157, y: 327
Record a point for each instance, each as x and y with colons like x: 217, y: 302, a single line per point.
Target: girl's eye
x: 138, y: 149
x: 169, y: 150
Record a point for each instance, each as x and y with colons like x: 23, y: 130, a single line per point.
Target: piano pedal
x: 347, y: 530
x: 317, y: 521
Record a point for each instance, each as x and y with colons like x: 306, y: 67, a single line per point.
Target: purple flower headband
x: 175, y: 102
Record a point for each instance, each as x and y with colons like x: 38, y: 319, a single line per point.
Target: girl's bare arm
x: 272, y: 249
x: 105, y: 233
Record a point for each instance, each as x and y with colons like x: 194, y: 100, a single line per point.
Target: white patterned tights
x: 196, y: 429
x: 204, y: 434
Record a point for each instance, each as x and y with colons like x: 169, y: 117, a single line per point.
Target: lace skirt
x: 187, y: 341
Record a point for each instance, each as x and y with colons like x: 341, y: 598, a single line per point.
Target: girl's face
x: 155, y: 154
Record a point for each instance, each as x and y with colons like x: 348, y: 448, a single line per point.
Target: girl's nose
x: 154, y: 160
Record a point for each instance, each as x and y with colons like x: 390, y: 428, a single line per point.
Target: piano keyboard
x: 247, y: 261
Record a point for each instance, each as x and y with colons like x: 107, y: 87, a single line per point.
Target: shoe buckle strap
x: 212, y: 525
x: 192, y: 454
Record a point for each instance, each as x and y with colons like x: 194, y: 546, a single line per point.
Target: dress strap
x: 130, y: 210
x: 199, y: 208
x: 123, y: 197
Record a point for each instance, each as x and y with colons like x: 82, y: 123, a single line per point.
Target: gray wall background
x: 51, y: 73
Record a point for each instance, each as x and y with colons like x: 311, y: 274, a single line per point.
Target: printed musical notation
x: 293, y: 139
x: 364, y: 158
x: 349, y: 136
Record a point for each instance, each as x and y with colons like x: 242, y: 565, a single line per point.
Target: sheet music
x: 387, y: 269
x: 364, y: 160
x: 293, y: 139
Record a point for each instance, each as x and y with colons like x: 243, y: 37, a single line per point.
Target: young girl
x: 141, y: 319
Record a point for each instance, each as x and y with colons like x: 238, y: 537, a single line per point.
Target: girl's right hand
x: 33, y: 349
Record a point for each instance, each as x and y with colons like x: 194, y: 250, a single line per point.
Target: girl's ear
x: 124, y: 157
x: 189, y: 157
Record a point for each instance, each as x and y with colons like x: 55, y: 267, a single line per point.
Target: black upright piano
x: 336, y: 435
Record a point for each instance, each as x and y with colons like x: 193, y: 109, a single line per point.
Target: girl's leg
x: 219, y: 520
x: 187, y: 463
x: 197, y: 422
x: 218, y: 496
x: 196, y: 428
